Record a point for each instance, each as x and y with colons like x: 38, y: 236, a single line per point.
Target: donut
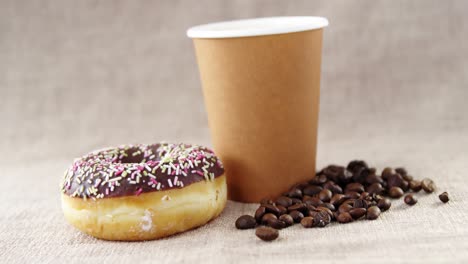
x: 143, y: 192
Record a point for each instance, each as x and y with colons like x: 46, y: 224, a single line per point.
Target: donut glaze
x: 135, y: 169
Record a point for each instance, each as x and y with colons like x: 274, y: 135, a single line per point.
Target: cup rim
x: 257, y: 27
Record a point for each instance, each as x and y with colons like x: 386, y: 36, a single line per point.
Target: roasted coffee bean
x: 404, y: 185
x: 282, y: 210
x: 365, y: 196
x: 326, y: 210
x: 373, y: 213
x: 345, y: 177
x: 337, y: 199
x: 301, y: 207
x: 344, y: 218
x: 444, y: 197
x: 333, y: 187
x: 384, y: 204
x: 360, y: 174
x: 321, y: 179
x: 322, y: 219
x: 272, y: 209
x: 284, y: 201
x: 307, y: 222
x: 408, y: 177
x: 357, y: 213
x: 428, y: 185
x: 301, y: 185
x: 375, y: 188
x: 266, y: 233
x: 402, y: 171
x: 260, y: 213
x: 296, y: 201
x: 314, y: 201
x: 325, y: 195
x: 266, y: 201
x: 287, y: 219
x: 354, y: 187
x: 328, y: 206
x: 373, y: 178
x: 295, y: 193
x: 387, y: 172
x: 395, y: 192
x: 312, y: 190
x: 297, y: 216
x: 394, y: 180
x: 268, y: 217
x: 276, y: 224
x: 352, y: 195
x: 410, y: 199
x: 353, y: 165
x: 333, y: 171
x: 360, y: 203
x: 245, y: 222
x: 344, y: 208
x: 415, y: 185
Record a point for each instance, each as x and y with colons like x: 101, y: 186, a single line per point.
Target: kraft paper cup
x: 261, y: 84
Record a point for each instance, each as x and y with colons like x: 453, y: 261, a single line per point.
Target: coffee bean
x: 328, y: 206
x: 415, y: 185
x: 345, y: 177
x: 395, y: 192
x: 386, y: 172
x: 394, y: 180
x: 259, y: 214
x: 337, y: 199
x: 326, y: 210
x: 282, y: 210
x: 360, y: 203
x: 266, y: 201
x: 287, y: 219
x: 319, y: 179
x: 344, y: 208
x: 272, y: 209
x: 354, y: 187
x: 284, y: 201
x: 333, y: 187
x: 312, y: 190
x: 321, y: 219
x: 307, y: 222
x: 297, y: 216
x: 276, y: 224
x: 295, y: 193
x: 404, y: 185
x: 352, y: 195
x: 266, y: 233
x: 333, y: 171
x: 314, y: 201
x: 355, y: 164
x: 344, y: 218
x: 410, y: 199
x: 408, y: 177
x: 444, y: 197
x: 296, y: 201
x: 373, y: 213
x: 384, y: 204
x: 268, y: 217
x: 428, y: 185
x: 298, y: 207
x: 325, y: 195
x: 245, y: 222
x: 373, y: 178
x: 357, y: 213
x: 402, y: 171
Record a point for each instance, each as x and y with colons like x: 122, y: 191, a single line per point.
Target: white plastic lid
x: 257, y: 27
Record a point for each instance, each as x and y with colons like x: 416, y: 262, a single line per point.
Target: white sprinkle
x: 169, y: 182
x: 175, y: 180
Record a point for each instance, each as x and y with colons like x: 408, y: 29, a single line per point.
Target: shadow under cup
x: 261, y: 84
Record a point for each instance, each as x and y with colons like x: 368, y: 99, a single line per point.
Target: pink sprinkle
x: 199, y: 173
x: 153, y: 181
x: 140, y: 168
x: 107, y: 191
x: 173, y: 172
x: 138, y: 192
x: 119, y: 172
x: 133, y: 174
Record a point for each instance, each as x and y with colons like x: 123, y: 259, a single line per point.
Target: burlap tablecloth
x: 80, y: 75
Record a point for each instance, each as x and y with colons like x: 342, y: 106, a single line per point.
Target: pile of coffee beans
x: 336, y: 194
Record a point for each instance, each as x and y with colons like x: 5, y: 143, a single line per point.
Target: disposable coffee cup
x: 261, y: 85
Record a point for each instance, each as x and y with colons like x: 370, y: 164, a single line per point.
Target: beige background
x: 79, y: 75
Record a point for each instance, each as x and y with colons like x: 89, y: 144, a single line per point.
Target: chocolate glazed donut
x: 142, y: 192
